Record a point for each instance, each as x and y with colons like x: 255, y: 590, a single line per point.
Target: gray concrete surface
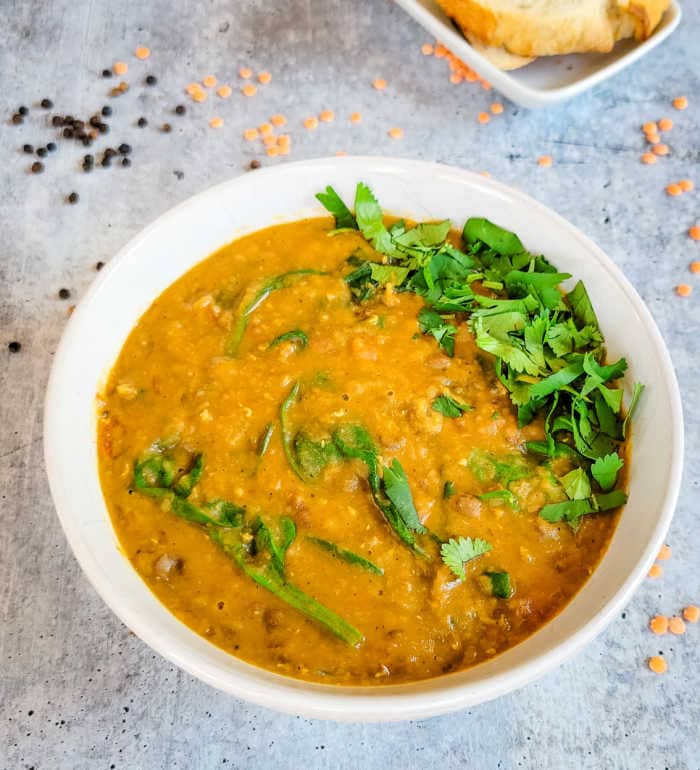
x: 77, y: 690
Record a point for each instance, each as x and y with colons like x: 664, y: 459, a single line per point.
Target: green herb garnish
x: 345, y: 555
x: 456, y: 553
x: 500, y: 584
x: 450, y: 407
x: 294, y: 335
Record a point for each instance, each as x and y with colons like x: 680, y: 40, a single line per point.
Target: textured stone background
x: 76, y: 689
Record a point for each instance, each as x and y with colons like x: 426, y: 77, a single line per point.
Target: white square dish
x: 549, y: 79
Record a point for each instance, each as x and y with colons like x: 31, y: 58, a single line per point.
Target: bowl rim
x: 377, y: 703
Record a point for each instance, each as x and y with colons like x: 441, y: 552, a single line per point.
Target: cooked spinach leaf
x: 294, y: 335
x: 345, y: 555
x: 450, y: 407
x: 500, y: 584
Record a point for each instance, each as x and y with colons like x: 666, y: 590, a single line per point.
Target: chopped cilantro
x: 456, y: 553
x: 332, y: 202
x: 431, y: 322
x: 605, y: 470
x: 450, y: 407
x: 448, y: 490
x: 500, y: 584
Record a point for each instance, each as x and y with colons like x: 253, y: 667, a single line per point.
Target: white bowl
x: 199, y: 226
x: 549, y: 79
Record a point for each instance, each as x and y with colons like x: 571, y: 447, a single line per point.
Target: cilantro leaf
x: 449, y: 407
x: 501, y: 494
x: 456, y: 553
x: 576, y: 484
x: 448, y: 490
x: 582, y: 307
x: 399, y: 492
x: 495, y: 237
x: 370, y: 220
x: 333, y: 203
x: 605, y: 470
x: 432, y: 322
x: 382, y: 274
x: 500, y: 584
x: 572, y: 510
x: 638, y: 388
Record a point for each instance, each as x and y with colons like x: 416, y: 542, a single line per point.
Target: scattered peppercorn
x: 67, y: 133
x: 151, y: 80
x: 106, y: 161
x: 180, y: 109
x: 42, y: 152
x: 141, y: 122
x: 126, y: 162
x: 17, y: 119
x: 56, y: 120
x: 73, y: 197
x: 23, y: 111
x: 87, y: 141
x: 254, y: 164
x: 110, y: 152
x: 103, y: 128
x: 106, y: 110
x: 64, y: 293
x: 47, y: 104
x: 28, y: 148
x: 37, y: 167
x: 99, y: 265
x: 51, y: 146
x: 124, y: 148
x: 106, y: 73
x: 167, y: 128
x: 14, y: 346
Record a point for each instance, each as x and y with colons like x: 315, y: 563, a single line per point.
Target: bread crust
x: 553, y: 27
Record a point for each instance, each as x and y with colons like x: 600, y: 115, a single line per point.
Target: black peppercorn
x: 167, y: 128
x: 68, y: 133
x: 254, y: 164
x: 106, y: 110
x: 141, y: 122
x: 47, y: 104
x: 42, y: 152
x: 17, y: 119
x: 106, y: 161
x: 126, y: 162
x: 103, y: 128
x: 56, y: 120
x: 64, y: 293
x: 14, y: 346
x: 106, y: 73
x: 99, y: 265
x: 86, y: 140
x: 73, y: 197
x: 124, y: 148
x: 27, y: 148
x: 110, y: 152
x: 180, y: 109
x: 51, y: 146
x: 151, y: 80
x: 37, y: 167
x: 23, y: 111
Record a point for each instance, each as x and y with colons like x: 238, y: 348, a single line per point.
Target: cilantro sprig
x: 457, y: 552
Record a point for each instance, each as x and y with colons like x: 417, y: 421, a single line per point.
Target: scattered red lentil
x: 692, y: 613
x: 192, y: 88
x: 676, y: 625
x: 496, y: 108
x: 660, y: 149
x: 440, y: 51
x: 695, y: 267
x: 355, y: 117
x: 224, y: 91
x: 684, y: 290
x: 686, y: 185
x: 142, y: 52
x: 694, y: 232
x: 483, y: 117
x: 284, y: 141
x: 486, y: 85
x: 245, y: 72
x: 340, y: 153
x: 545, y: 161
x: 250, y: 134
x: 456, y: 78
x: 674, y: 189
x: 379, y: 84
x: 664, y: 554
x: 659, y: 624
x: 265, y: 129
x: 657, y: 664
x: 396, y: 133
x: 427, y: 50
x: 209, y: 81
x: 264, y: 78
x: 327, y: 116
x: 653, y: 138
x: 278, y: 120
x: 271, y: 152
x: 269, y: 140
x: 665, y: 124
x: 649, y: 158
x: 249, y: 90
x: 650, y: 128
x: 311, y: 123
x: 120, y: 68
x: 656, y: 571
x: 680, y: 102
x: 216, y: 122
x: 199, y: 96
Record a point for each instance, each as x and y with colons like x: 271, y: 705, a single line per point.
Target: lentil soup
x: 307, y: 474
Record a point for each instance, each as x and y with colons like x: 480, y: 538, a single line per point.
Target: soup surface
x: 208, y: 403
